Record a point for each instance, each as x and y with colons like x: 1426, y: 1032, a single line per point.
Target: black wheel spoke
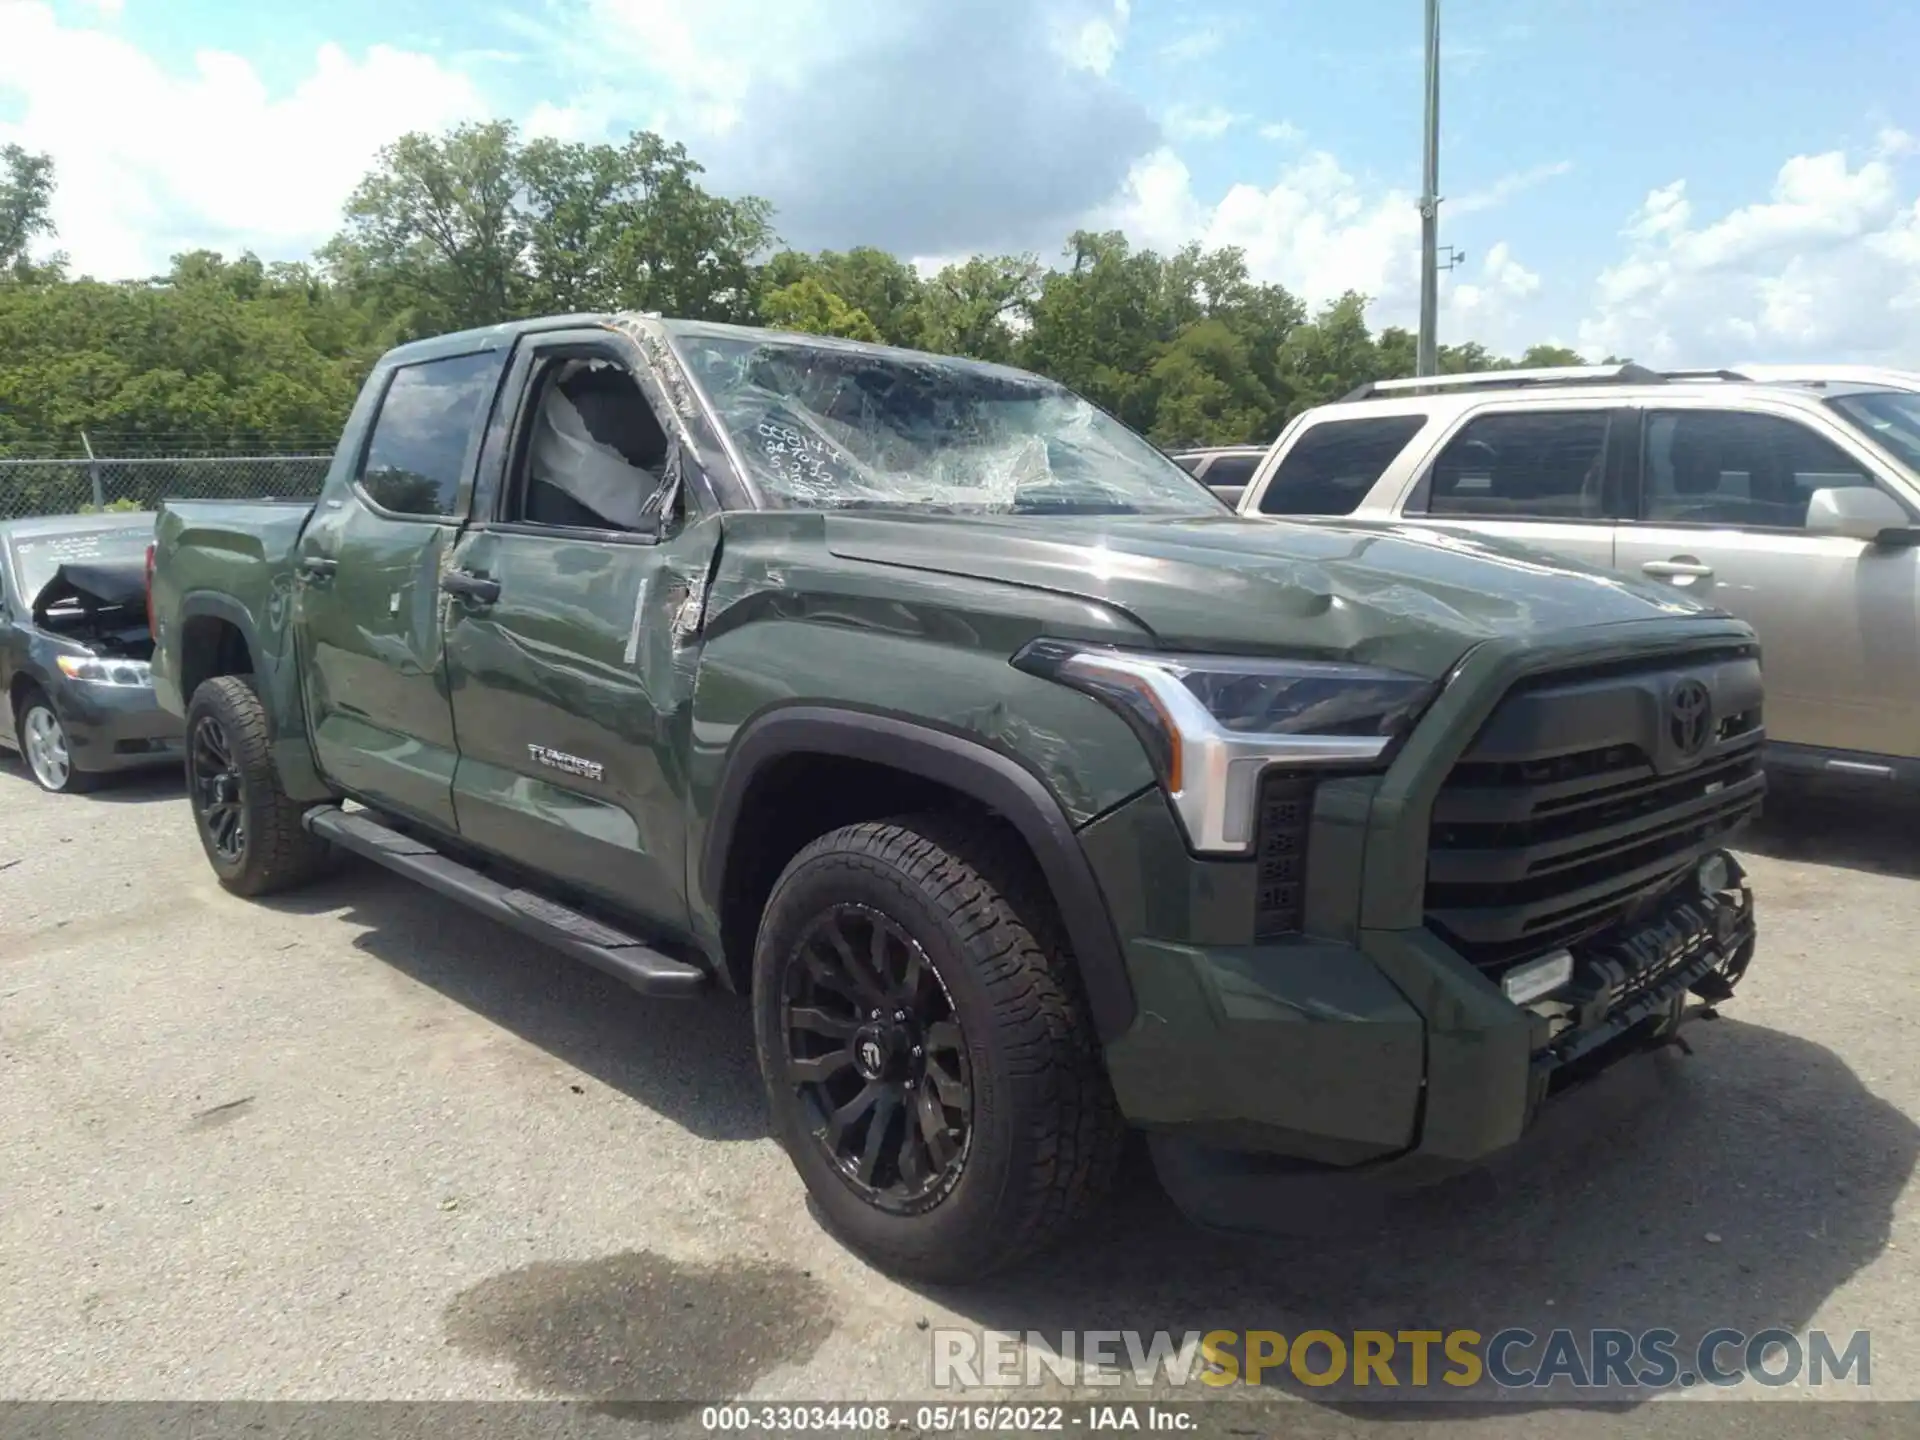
x: 885, y: 1109
x: 866, y: 987
x: 932, y: 1123
x: 818, y: 1069
x: 816, y: 1021
x: 848, y: 1115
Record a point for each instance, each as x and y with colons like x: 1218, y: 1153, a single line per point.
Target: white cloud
x: 150, y: 162
x: 1199, y: 122
x: 1320, y: 232
x: 1505, y: 188
x: 1093, y: 41
x: 1194, y: 45
x: 1827, y: 268
x: 1283, y: 132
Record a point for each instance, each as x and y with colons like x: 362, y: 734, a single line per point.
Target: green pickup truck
x: 1030, y: 794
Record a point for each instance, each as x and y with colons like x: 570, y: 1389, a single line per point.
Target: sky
x: 1699, y: 182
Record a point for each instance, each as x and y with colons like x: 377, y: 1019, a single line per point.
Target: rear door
x: 567, y: 646
x: 367, y: 589
x: 1721, y: 516
x: 1549, y: 476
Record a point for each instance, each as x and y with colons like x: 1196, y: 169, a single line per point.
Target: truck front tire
x: 928, y: 1056
x: 248, y: 825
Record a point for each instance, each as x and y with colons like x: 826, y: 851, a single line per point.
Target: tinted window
x: 1189, y: 463
x: 419, y: 447
x: 1233, y: 469
x: 1332, y: 466
x: 1890, y: 416
x: 1720, y: 467
x: 1545, y: 465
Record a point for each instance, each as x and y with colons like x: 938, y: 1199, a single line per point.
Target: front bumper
x: 1368, y: 1046
x: 117, y: 727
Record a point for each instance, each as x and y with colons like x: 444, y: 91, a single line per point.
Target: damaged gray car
x: 74, y: 650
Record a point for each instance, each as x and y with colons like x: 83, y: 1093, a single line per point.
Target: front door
x: 367, y: 591
x: 567, y: 636
x: 1722, y: 517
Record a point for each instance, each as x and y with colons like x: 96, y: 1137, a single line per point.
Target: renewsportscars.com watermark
x: 1399, y: 1361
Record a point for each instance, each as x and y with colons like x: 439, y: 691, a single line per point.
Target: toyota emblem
x: 1689, y: 717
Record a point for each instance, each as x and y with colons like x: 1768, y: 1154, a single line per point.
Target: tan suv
x: 1796, y: 506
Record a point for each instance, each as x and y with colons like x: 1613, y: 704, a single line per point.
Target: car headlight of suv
x: 94, y: 670
x: 1213, y: 724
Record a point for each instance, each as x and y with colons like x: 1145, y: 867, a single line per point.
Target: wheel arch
x: 933, y: 761
x: 217, y: 638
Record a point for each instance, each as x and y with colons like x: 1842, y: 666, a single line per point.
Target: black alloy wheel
x: 876, y: 1054
x: 217, y: 793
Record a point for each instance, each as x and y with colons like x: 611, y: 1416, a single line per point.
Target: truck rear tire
x: 248, y: 825
x: 928, y: 1056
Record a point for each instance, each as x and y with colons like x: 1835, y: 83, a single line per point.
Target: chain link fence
x: 74, y: 486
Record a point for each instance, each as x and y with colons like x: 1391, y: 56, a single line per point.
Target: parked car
x: 74, y: 650
x: 1028, y: 791
x: 1224, y: 469
x: 1793, y: 505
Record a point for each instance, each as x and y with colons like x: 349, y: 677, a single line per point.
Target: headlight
x: 1212, y: 723
x: 96, y: 671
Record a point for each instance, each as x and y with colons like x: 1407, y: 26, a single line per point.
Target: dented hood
x: 1384, y: 594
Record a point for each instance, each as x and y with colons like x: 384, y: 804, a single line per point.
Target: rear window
x: 418, y: 451
x: 37, y: 558
x: 1233, y: 469
x: 1523, y: 465
x: 1332, y: 466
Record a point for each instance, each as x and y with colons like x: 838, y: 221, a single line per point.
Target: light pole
x: 1426, y: 359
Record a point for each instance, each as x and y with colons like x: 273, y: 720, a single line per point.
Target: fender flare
x: 991, y: 777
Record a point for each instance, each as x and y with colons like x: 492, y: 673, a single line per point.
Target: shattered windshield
x: 829, y: 426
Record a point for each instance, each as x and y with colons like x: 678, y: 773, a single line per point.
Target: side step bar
x: 601, y: 946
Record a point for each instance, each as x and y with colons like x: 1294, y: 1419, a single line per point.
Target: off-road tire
x: 275, y: 853
x: 1046, y: 1135
x: 78, y: 781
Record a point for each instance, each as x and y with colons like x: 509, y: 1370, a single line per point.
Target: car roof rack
x: 1624, y: 373
x: 1704, y: 375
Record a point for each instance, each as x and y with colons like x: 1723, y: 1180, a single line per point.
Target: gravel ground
x: 359, y: 1144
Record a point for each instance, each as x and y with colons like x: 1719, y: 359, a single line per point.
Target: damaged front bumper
x: 1489, y: 1091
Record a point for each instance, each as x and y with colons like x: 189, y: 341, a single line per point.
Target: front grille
x: 1573, y: 809
x: 1280, y: 851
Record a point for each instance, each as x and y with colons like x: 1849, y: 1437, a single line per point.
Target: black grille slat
x: 1280, y: 854
x: 1534, y: 845
x: 1470, y: 853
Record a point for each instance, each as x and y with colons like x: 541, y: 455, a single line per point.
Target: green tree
x: 980, y: 307
x: 809, y: 306
x: 26, y: 213
x: 474, y: 227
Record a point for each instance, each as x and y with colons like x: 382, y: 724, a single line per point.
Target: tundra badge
x: 571, y: 764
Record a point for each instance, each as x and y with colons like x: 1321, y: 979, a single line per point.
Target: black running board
x: 601, y: 946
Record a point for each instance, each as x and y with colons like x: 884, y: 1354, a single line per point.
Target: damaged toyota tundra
x: 1028, y: 795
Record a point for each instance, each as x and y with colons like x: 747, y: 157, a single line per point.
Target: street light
x: 1426, y: 357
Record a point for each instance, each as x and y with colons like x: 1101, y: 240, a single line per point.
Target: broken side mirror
x: 1861, y: 512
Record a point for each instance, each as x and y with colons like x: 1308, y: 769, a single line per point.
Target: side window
x: 1232, y: 469
x: 1527, y: 465
x: 418, y: 450
x: 1332, y: 466
x: 1722, y: 467
x: 594, y: 455
x: 1190, y: 463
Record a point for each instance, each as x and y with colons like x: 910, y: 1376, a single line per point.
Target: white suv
x: 1795, y: 506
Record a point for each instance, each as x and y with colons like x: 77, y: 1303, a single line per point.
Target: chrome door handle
x: 1678, y: 569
